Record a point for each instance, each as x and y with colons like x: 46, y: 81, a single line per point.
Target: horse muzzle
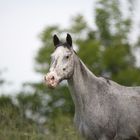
x: 51, y: 79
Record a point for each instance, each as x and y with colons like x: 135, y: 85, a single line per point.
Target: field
x: 13, y: 126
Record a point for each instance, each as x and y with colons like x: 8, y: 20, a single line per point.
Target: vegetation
x: 38, y: 113
x: 15, y: 126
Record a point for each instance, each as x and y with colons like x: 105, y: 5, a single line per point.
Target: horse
x: 104, y: 109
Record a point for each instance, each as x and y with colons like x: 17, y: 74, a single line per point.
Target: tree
x: 118, y: 60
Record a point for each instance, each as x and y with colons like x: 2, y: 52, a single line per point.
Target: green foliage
x: 13, y: 125
x: 120, y: 60
x: 78, y: 24
x: 62, y: 129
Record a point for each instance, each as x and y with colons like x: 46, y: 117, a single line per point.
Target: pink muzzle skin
x: 51, y: 79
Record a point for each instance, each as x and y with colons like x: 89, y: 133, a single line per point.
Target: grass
x: 14, y: 126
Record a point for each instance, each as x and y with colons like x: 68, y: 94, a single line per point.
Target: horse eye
x: 67, y: 56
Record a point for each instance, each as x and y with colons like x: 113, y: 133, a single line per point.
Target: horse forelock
x: 65, y: 44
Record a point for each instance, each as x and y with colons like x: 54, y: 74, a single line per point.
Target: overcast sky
x: 21, y: 21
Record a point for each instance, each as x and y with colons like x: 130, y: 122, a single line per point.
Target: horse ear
x: 55, y: 40
x: 69, y: 40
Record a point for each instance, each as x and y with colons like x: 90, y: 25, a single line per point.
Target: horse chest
x: 83, y: 128
x: 94, y: 130
x: 86, y: 127
x: 94, y: 123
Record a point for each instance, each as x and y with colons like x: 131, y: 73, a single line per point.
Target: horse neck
x: 82, y: 85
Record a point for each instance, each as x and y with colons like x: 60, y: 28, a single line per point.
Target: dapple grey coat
x: 104, y: 110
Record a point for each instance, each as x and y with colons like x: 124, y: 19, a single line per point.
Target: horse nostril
x: 64, y: 69
x: 52, y: 78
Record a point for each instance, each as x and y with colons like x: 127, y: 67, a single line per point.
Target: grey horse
x: 104, y: 110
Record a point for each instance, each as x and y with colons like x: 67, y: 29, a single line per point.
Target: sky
x: 21, y: 22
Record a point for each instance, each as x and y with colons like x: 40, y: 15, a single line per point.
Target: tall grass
x: 14, y: 126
